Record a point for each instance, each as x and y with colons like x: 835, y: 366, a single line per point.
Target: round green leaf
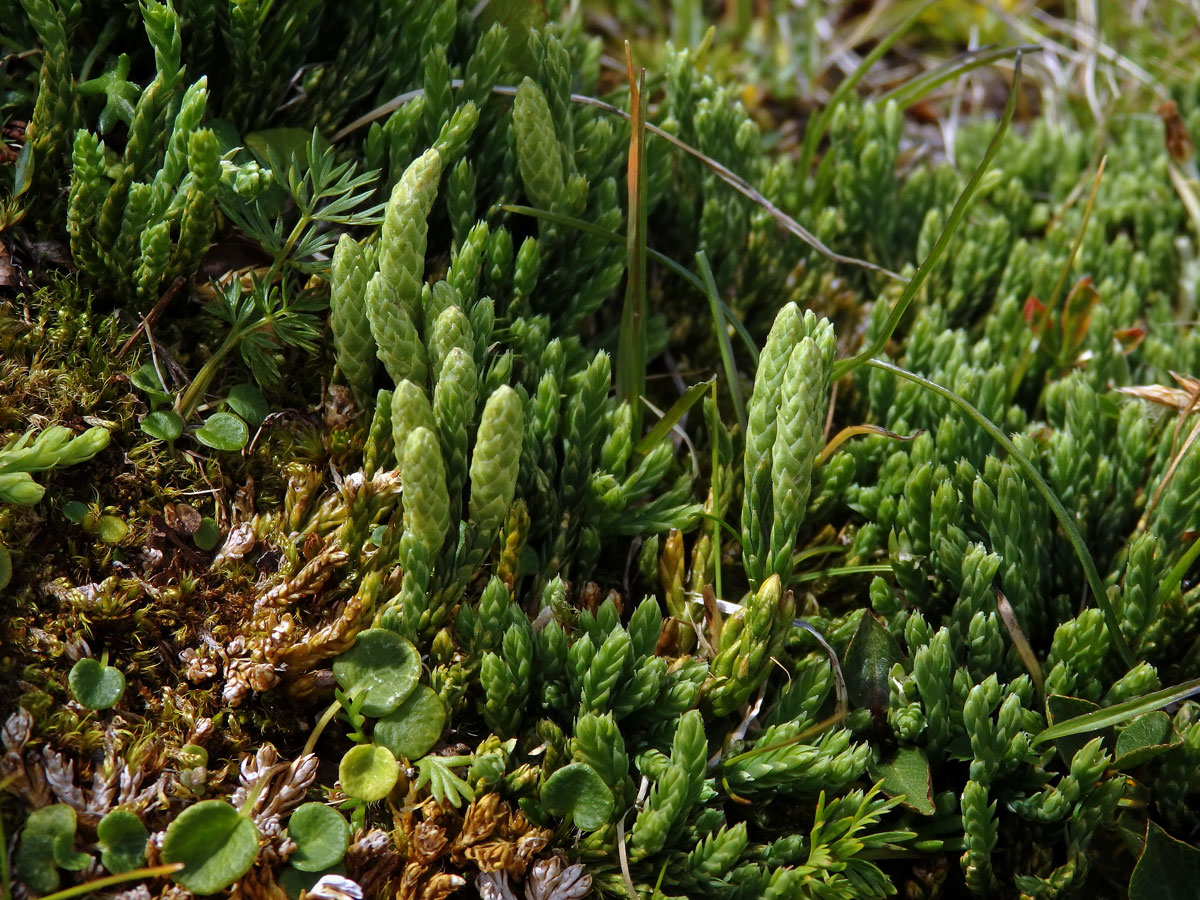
x: 248, y: 402
x: 368, y: 772
x: 75, y: 511
x: 94, y: 685
x: 381, y: 665
x: 122, y: 838
x: 216, y: 845
x: 111, y: 530
x: 321, y: 835
x: 48, y: 844
x: 208, y: 535
x: 163, y: 424
x: 35, y: 862
x: 411, y: 731
x: 578, y: 792
x: 223, y: 431
x: 146, y: 378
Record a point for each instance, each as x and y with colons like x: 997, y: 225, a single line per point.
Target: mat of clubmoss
x: 534, y: 486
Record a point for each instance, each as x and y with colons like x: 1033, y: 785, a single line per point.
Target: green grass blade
x: 1171, y: 582
x: 671, y: 417
x: 905, y: 95
x: 719, y: 325
x: 1121, y: 712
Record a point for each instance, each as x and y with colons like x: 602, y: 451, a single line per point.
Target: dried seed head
x: 333, y: 887
x: 17, y: 729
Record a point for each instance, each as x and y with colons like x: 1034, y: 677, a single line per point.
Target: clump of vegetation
x: 450, y: 462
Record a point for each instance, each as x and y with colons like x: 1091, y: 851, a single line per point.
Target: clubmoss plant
x: 603, y: 496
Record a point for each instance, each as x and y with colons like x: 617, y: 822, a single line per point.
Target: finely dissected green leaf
x: 322, y: 835
x: 382, y: 667
x: 444, y: 785
x: 216, y: 845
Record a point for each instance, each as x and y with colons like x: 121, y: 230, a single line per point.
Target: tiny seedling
x: 47, y: 845
x: 223, y: 430
x: 92, y: 519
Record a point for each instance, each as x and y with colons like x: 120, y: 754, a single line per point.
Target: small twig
x: 150, y: 317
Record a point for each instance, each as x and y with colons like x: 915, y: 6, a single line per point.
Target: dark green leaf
x: 248, y: 402
x: 579, y: 793
x: 1168, y: 869
x: 224, y: 431
x: 1061, y: 709
x: 208, y: 535
x: 216, y: 845
x: 868, y: 663
x: 122, y: 838
x: 282, y: 144
x: 146, y: 378
x: 163, y: 424
x: 75, y: 511
x: 94, y: 685
x: 322, y: 835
